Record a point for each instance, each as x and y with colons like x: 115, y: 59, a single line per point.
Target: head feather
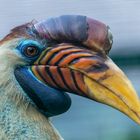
x: 22, y: 31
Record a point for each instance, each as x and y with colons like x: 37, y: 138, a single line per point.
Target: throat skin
x: 19, y: 117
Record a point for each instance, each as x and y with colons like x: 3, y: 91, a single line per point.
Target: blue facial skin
x: 50, y: 101
x: 24, y: 44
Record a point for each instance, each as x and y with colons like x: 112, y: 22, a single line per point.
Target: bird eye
x: 31, y: 51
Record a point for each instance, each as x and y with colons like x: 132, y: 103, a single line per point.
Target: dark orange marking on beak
x: 52, y: 51
x: 57, y: 77
x: 88, y: 74
x: 84, y: 63
x: 80, y: 82
x: 62, y: 54
x: 66, y: 74
x: 68, y: 59
x: 43, y: 76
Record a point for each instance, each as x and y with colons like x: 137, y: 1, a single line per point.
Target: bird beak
x: 89, y: 74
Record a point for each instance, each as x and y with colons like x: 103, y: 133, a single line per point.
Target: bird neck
x: 19, y: 119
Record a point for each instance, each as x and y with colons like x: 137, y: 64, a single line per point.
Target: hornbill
x: 41, y: 61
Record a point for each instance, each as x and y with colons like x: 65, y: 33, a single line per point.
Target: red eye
x: 31, y: 51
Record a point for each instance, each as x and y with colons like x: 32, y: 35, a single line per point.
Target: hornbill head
x: 68, y: 54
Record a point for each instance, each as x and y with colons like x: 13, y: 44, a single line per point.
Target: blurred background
x: 88, y: 120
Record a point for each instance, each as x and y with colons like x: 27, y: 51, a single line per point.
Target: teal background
x: 88, y: 120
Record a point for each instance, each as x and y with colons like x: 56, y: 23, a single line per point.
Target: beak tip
x: 136, y: 117
x: 138, y: 122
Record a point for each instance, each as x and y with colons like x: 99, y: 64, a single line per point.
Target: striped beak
x: 86, y: 73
